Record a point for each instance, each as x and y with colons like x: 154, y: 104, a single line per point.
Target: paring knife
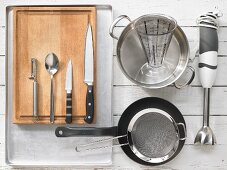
x: 89, y: 75
x: 68, y: 88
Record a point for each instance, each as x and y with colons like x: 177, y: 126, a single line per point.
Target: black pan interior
x: 145, y: 103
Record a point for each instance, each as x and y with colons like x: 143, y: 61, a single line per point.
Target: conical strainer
x: 155, y: 33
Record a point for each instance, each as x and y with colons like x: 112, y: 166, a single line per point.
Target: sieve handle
x: 184, y: 130
x: 113, y: 25
x: 96, y: 145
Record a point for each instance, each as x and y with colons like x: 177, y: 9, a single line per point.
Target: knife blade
x: 68, y: 88
x: 89, y: 75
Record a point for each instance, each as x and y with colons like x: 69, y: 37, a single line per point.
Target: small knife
x: 68, y: 88
x: 89, y: 75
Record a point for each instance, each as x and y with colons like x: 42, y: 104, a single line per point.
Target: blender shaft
x: 206, y: 106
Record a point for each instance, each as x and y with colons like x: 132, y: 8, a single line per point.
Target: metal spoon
x: 51, y: 65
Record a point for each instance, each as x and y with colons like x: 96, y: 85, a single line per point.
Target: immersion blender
x: 208, y: 53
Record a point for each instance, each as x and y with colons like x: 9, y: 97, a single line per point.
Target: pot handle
x: 189, y: 71
x: 113, y: 25
x: 184, y: 131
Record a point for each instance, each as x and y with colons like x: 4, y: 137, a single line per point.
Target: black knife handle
x: 89, y: 105
x: 68, y: 118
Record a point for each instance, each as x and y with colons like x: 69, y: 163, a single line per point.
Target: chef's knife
x: 89, y: 75
x: 68, y: 88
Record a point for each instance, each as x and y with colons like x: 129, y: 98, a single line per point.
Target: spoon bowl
x: 51, y: 65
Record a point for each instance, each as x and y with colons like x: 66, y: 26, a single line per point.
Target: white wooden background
x: 188, y: 100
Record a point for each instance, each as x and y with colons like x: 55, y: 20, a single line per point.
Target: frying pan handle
x: 85, y: 131
x: 184, y: 131
x: 113, y: 25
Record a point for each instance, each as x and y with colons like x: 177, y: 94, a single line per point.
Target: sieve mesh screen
x: 154, y: 135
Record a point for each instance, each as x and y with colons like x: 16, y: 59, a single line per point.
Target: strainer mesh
x: 154, y: 135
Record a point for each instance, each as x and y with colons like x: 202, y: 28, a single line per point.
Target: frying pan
x: 151, y: 131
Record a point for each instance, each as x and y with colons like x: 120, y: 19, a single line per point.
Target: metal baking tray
x: 37, y: 145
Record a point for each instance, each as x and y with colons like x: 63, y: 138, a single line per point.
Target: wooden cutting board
x: 37, y: 32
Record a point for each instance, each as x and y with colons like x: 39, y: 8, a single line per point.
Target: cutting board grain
x: 37, y: 32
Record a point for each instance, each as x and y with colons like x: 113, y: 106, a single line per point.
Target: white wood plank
x: 185, y: 99
x: 2, y: 140
x: 191, y: 33
x: 2, y: 70
x: 192, y: 36
x: 185, y: 159
x: 3, y: 14
x: 2, y: 100
x: 120, y: 79
x: 2, y: 40
x: 185, y: 12
x: 191, y: 157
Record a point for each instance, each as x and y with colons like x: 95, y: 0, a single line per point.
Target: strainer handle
x: 184, y: 131
x: 113, y: 25
x: 95, y: 145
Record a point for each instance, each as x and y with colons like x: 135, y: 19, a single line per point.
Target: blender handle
x: 208, y: 54
x: 113, y: 25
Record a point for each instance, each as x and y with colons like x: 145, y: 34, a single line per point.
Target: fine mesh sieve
x: 154, y: 135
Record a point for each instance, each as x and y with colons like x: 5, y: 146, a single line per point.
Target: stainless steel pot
x: 131, y: 57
